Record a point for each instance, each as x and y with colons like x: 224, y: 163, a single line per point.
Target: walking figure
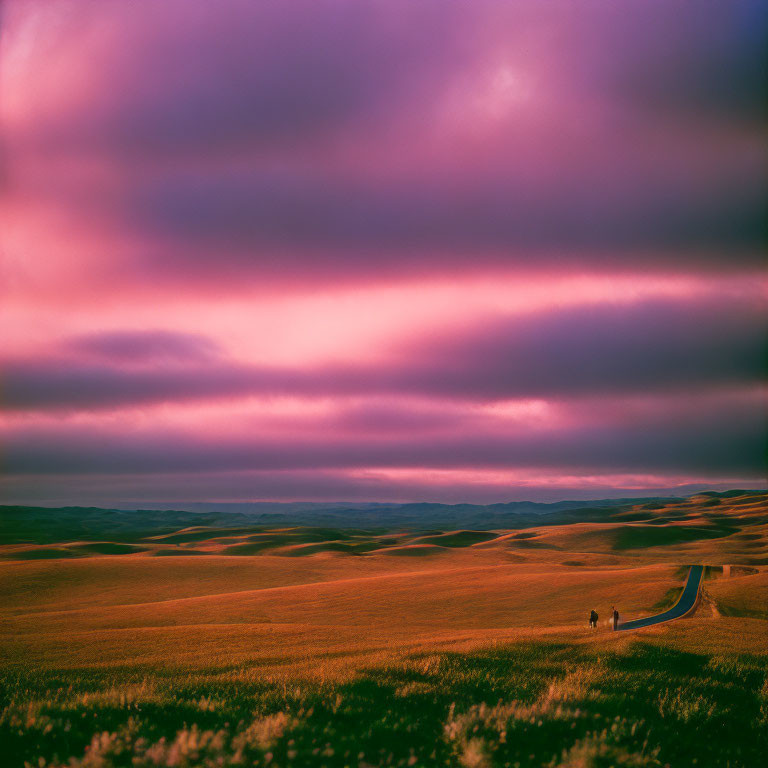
x: 615, y: 618
x: 593, y: 619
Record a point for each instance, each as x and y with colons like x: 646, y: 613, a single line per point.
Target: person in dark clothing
x: 593, y: 620
x: 615, y: 618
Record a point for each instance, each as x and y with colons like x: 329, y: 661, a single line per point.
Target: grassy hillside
x: 730, y: 527
x: 319, y: 645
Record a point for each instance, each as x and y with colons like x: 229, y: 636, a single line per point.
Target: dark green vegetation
x: 750, y: 613
x: 670, y: 598
x: 636, y: 537
x: 176, y: 552
x: 49, y: 553
x: 78, y: 550
x: 544, y: 704
x: 108, y: 548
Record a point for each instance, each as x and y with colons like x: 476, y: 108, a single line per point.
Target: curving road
x: 684, y: 604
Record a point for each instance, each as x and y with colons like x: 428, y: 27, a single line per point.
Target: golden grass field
x: 331, y: 616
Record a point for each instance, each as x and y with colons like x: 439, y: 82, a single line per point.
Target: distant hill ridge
x: 26, y: 524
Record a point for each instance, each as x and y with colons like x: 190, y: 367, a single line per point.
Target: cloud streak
x: 672, y: 436
x: 651, y: 346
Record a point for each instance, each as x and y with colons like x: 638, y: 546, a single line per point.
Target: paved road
x: 684, y: 604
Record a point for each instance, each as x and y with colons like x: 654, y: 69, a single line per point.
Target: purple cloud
x: 274, y: 222
x: 145, y: 347
x: 674, y: 435
x: 646, y: 347
x: 313, y: 141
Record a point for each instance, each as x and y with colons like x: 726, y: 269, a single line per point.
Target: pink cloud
x: 390, y: 249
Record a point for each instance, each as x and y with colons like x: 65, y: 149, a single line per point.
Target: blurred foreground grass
x: 536, y: 704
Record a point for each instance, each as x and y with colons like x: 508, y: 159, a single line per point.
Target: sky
x: 387, y: 250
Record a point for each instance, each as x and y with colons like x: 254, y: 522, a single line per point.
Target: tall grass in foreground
x: 524, y: 705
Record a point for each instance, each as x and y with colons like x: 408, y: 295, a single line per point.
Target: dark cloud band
x: 673, y: 436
